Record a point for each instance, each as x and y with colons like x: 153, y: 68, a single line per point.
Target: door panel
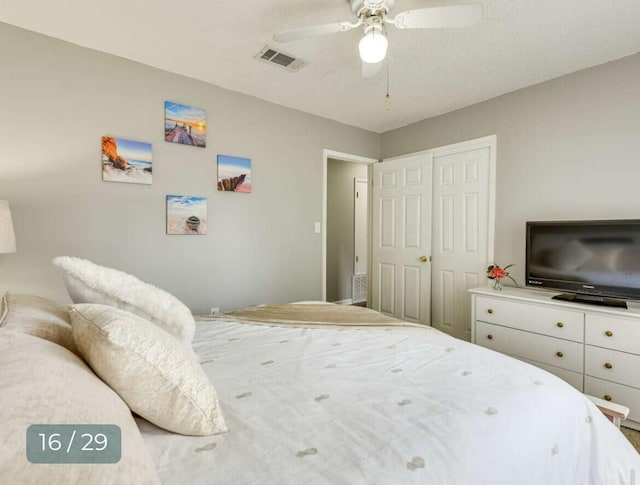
x: 386, y: 289
x: 401, y: 236
x: 360, y: 243
x: 411, y: 291
x: 461, y: 212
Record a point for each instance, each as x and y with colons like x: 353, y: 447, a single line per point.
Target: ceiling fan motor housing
x: 373, y: 6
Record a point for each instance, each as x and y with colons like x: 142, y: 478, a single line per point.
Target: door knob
x: 423, y: 259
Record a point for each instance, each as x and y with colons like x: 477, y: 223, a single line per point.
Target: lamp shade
x: 7, y: 236
x: 373, y: 46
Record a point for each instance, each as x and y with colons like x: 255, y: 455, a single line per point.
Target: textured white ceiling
x: 517, y: 44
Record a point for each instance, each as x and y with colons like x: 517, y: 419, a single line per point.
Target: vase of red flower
x: 497, y: 274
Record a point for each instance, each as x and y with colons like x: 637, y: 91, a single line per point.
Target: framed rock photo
x: 126, y: 161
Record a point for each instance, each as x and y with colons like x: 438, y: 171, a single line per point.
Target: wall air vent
x: 359, y: 288
x: 279, y: 59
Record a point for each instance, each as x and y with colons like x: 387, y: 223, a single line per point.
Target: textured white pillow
x: 153, y: 373
x: 44, y: 383
x: 90, y: 283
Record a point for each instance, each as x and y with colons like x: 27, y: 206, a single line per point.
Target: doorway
x: 345, y: 242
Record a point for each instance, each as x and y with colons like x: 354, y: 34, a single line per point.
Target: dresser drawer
x: 612, y: 365
x: 613, y: 333
x: 574, y: 378
x: 625, y: 395
x: 541, y: 348
x: 541, y: 319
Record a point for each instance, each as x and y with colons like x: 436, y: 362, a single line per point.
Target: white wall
x: 56, y: 102
x: 341, y: 226
x: 568, y: 148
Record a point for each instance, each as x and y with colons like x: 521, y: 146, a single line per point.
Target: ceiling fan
x: 374, y: 15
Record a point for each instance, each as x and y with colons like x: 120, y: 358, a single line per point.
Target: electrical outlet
x: 215, y: 310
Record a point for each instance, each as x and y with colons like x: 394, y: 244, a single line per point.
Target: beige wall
x: 57, y: 100
x: 341, y: 226
x: 567, y: 149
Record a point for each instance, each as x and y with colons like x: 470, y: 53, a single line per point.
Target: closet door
x: 401, y: 238
x: 460, y: 236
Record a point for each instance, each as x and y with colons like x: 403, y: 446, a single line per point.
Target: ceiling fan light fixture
x: 373, y: 46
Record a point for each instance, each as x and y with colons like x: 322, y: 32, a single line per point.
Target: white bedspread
x: 386, y: 406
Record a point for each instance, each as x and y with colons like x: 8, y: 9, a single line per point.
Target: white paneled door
x: 401, y: 243
x: 433, y: 233
x: 460, y: 236
x: 360, y: 240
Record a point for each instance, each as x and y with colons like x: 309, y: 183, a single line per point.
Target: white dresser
x: 595, y: 349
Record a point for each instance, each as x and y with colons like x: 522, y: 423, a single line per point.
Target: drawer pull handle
x: 560, y: 324
x: 559, y: 354
x: 490, y: 337
x: 609, y: 333
x: 608, y: 365
x: 607, y: 397
x: 490, y: 311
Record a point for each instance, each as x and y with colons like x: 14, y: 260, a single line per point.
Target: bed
x: 308, y: 402
x: 304, y: 393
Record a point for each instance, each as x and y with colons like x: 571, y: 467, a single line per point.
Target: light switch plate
x: 317, y: 227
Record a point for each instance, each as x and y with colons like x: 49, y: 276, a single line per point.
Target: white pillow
x: 44, y: 383
x: 90, y: 283
x: 153, y: 373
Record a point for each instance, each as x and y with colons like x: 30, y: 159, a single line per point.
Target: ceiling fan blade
x: 439, y: 17
x: 370, y: 70
x: 307, y: 32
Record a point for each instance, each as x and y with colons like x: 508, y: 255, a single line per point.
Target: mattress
x: 387, y: 405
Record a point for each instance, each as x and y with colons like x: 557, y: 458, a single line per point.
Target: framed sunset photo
x: 185, y: 125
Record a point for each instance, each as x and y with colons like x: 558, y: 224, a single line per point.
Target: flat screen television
x: 594, y: 261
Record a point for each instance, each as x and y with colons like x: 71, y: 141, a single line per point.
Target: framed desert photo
x: 185, y: 124
x: 126, y: 161
x: 234, y: 174
x: 186, y: 214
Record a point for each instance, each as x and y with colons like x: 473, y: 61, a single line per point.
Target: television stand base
x: 590, y: 299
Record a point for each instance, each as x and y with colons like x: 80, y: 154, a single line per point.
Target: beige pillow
x: 44, y: 383
x: 91, y: 283
x: 155, y: 375
x: 37, y: 316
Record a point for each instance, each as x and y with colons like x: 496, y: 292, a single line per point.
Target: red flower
x: 497, y: 273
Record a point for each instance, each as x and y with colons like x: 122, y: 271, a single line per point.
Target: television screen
x: 590, y: 257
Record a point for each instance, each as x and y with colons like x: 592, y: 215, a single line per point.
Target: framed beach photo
x: 185, y: 124
x: 126, y: 161
x: 186, y: 215
x: 234, y: 174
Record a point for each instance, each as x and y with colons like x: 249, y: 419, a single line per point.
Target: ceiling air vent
x: 272, y: 56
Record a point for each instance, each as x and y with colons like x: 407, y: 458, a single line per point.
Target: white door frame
x: 490, y: 142
x: 346, y: 157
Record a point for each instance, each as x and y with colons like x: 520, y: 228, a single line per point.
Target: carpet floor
x: 633, y: 436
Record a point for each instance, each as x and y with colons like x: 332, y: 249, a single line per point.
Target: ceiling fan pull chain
x: 387, y: 98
